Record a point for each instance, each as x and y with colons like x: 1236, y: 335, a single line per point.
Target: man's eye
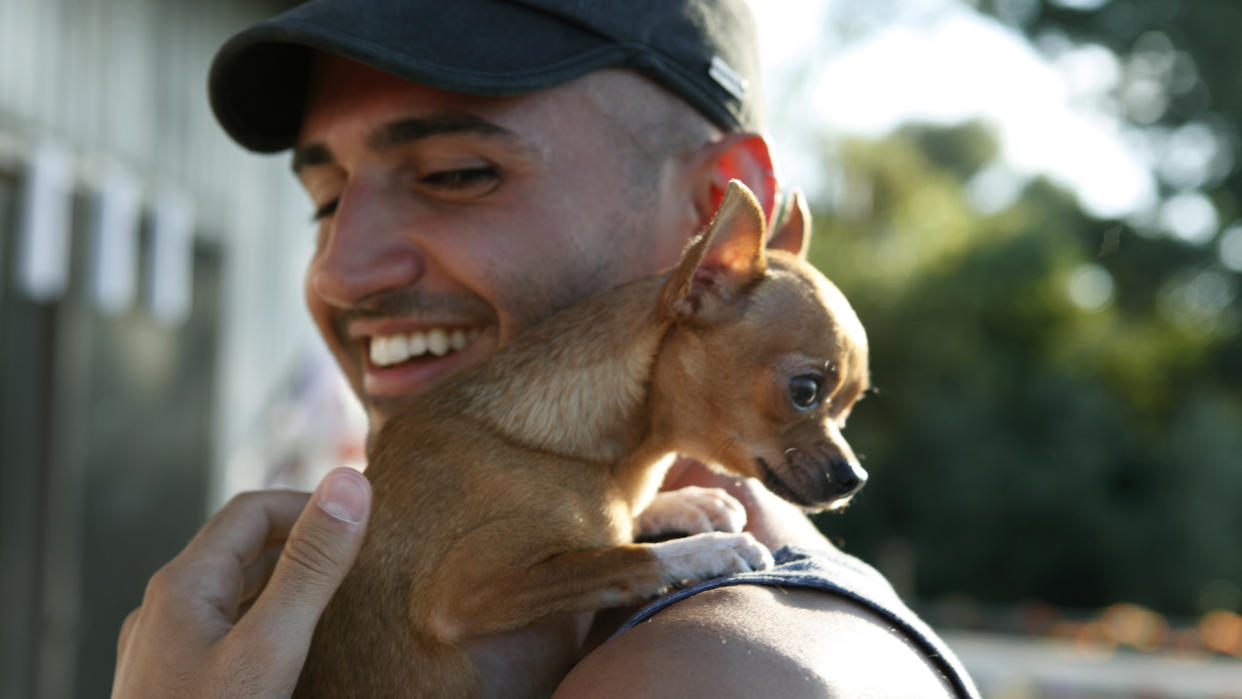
x: 325, y: 211
x: 475, y: 181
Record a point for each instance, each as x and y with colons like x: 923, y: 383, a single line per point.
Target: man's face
x: 448, y: 223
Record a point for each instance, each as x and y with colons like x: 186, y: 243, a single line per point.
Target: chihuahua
x: 508, y: 496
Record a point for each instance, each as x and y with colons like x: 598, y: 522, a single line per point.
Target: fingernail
x: 344, y: 495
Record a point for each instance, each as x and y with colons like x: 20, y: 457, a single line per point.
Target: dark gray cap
x: 705, y: 51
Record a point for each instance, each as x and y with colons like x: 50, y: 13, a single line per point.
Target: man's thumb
x: 320, y: 550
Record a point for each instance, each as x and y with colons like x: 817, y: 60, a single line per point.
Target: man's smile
x: 389, y: 350
x: 399, y: 362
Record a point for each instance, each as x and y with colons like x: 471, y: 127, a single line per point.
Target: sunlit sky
x: 940, y: 61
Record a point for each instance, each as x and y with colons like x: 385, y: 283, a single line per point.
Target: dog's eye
x: 806, y: 391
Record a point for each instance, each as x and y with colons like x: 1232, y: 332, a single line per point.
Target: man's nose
x: 368, y: 247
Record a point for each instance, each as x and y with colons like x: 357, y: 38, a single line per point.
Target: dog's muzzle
x: 819, y: 481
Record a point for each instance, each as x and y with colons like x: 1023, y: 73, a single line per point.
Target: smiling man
x: 449, y: 222
x: 475, y: 166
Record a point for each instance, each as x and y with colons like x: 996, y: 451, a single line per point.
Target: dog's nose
x: 846, y: 476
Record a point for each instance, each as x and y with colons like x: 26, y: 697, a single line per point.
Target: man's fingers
x: 248, y: 522
x: 204, y: 582
x: 188, y: 629
x: 260, y: 570
x: 320, y: 550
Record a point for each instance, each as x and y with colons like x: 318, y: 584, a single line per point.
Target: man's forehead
x: 329, y: 71
x: 390, y: 110
x: 335, y: 79
x: 340, y: 86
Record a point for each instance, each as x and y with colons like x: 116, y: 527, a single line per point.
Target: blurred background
x: 1033, y: 205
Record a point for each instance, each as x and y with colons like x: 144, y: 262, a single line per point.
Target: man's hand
x: 233, y: 614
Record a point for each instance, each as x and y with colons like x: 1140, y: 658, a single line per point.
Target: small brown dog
x: 508, y: 496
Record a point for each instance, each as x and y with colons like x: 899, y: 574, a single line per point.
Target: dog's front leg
x: 690, y: 510
x: 578, y: 581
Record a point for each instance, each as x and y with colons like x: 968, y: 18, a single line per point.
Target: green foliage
x: 1026, y: 445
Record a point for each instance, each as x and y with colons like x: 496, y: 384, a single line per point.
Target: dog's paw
x: 712, y: 555
x: 691, y: 510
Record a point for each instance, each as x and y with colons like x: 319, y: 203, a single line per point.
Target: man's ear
x: 721, y: 261
x: 794, y: 233
x: 736, y: 156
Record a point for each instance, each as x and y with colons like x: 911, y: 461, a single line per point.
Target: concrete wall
x: 121, y: 84
x: 118, y: 429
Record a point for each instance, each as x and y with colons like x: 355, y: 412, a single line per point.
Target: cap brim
x: 259, y: 80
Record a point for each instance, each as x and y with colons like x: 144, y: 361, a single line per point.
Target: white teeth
x: 379, y: 351
x: 398, y: 349
x: 394, y: 349
x: 418, y: 344
x: 437, y: 342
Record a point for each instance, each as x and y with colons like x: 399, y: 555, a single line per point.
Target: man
x: 475, y: 166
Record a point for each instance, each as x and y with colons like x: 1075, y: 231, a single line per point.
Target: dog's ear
x: 722, y: 260
x: 793, y: 233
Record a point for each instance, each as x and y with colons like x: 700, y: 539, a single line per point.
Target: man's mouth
x: 402, y: 363
x: 391, y: 350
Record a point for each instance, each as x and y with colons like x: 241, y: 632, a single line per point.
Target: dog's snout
x: 823, y: 478
x: 846, y: 475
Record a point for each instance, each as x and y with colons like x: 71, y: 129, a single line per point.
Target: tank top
x: 844, y: 575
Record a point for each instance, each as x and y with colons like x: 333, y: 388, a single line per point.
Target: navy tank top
x: 839, y: 574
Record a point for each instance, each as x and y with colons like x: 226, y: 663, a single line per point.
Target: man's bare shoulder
x: 748, y: 640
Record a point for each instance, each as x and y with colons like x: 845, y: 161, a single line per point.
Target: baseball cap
x: 705, y: 51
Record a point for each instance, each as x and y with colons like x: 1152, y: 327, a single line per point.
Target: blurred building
x: 150, y: 309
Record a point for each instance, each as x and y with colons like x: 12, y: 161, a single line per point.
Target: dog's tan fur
x: 508, y: 496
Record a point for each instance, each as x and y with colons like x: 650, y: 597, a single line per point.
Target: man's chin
x: 381, y: 408
x: 384, y: 406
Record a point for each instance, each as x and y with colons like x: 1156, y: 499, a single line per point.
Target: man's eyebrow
x: 405, y: 131
x: 313, y: 154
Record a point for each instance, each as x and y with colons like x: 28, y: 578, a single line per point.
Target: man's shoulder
x: 751, y: 640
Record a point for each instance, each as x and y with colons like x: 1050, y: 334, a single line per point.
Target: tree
x: 1056, y: 409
